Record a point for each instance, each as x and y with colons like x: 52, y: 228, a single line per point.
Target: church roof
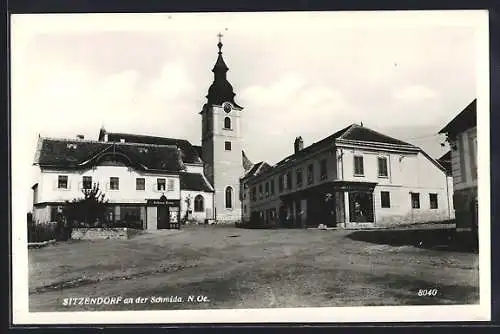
x: 221, y: 90
x: 189, y: 153
x: 74, y: 153
x: 195, y: 182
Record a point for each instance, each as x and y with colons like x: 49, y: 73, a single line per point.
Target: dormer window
x: 122, y: 140
x: 71, y: 146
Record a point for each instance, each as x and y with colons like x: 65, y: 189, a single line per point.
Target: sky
x: 309, y: 74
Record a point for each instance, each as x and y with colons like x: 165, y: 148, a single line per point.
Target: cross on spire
x: 220, y: 42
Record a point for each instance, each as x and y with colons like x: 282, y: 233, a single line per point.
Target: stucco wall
x: 407, y: 173
x: 207, y: 213
x: 127, y: 193
x: 227, y: 165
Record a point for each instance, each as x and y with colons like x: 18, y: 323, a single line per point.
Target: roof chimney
x: 298, y: 144
x: 80, y: 137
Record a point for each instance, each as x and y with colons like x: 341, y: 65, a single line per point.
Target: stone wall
x: 103, y: 233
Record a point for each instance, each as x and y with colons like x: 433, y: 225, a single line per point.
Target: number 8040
x: 427, y: 292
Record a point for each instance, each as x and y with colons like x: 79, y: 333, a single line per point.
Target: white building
x: 135, y: 171
x: 356, y: 177
x: 461, y: 134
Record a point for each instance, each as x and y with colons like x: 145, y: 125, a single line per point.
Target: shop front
x: 162, y: 213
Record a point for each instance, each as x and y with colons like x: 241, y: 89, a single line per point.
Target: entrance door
x: 163, y: 217
x: 361, y: 207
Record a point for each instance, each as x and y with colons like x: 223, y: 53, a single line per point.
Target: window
x: 358, y: 165
x: 261, y: 194
x: 227, y: 123
x: 289, y: 180
x: 267, y: 189
x: 114, y: 183
x: 170, y: 186
x: 323, y: 171
x: 229, y: 198
x: 199, y: 205
x: 415, y: 200
x: 160, y: 184
x: 382, y: 167
x: 310, y: 174
x: 62, y: 182
x: 272, y: 187
x: 140, y: 183
x: 385, y: 199
x: 245, y: 208
x: 87, y: 182
x: 299, y: 177
x: 227, y: 146
x: 130, y: 213
x: 433, y: 198
x: 253, y: 194
x: 281, y: 183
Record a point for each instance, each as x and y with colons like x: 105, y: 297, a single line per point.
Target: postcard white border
x: 480, y: 312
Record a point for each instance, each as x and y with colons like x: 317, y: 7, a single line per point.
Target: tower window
x: 227, y: 123
x: 229, y: 198
x: 227, y: 145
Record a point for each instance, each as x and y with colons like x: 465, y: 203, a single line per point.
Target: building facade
x: 152, y: 180
x: 146, y: 185
x: 461, y: 135
x: 354, y: 178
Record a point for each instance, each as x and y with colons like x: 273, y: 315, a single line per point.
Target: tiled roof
x: 69, y: 153
x: 198, y: 151
x: 194, y: 181
x: 445, y: 161
x: 465, y: 120
x: 189, y: 153
x: 363, y: 134
x: 257, y: 169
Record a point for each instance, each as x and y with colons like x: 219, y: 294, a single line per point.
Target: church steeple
x: 221, y: 90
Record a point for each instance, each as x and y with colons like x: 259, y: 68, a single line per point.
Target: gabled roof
x: 189, y: 153
x: 353, y: 132
x: 74, y: 153
x: 360, y: 133
x: 445, y: 161
x: 257, y: 169
x: 195, y: 182
x: 465, y: 120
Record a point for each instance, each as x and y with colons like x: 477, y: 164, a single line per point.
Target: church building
x: 152, y: 181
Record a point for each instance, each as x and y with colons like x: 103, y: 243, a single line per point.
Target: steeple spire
x: 221, y: 90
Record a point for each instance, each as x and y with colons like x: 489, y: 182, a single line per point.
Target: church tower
x: 221, y: 143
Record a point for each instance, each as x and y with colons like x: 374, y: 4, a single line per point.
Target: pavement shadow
x: 435, y: 239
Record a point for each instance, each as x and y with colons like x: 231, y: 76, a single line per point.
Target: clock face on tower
x: 227, y: 107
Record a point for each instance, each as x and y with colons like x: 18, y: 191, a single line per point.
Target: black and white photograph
x: 250, y: 167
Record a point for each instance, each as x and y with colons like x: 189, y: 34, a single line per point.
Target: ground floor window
x: 199, y: 204
x: 385, y: 199
x: 433, y: 198
x: 415, y: 200
x: 361, y: 207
